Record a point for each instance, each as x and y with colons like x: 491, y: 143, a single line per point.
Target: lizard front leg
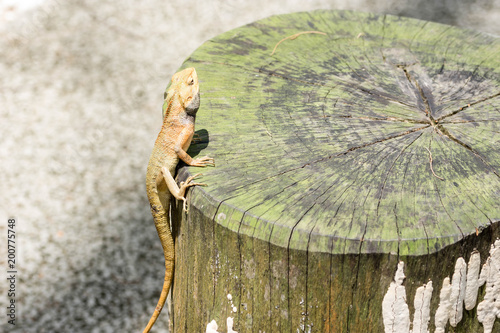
x: 176, y: 191
x: 181, y: 145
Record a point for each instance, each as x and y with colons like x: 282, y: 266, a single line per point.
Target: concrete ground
x: 81, y: 90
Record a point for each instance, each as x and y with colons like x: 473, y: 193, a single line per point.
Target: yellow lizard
x: 181, y: 103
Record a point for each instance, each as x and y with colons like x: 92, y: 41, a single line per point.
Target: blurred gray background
x: 81, y: 89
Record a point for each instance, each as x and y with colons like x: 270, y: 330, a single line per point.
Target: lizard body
x: 182, y: 101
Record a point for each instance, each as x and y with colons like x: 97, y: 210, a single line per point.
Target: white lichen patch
x: 221, y: 217
x: 489, y: 309
x: 422, y: 304
x: 461, y: 292
x: 230, y: 298
x: 472, y: 287
x: 453, y: 296
x: 444, y: 308
x: 212, y: 327
x: 395, y: 311
x: 458, y: 285
x: 229, y: 322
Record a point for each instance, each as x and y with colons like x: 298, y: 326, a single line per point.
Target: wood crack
x: 436, y: 188
x: 398, y: 231
x: 240, y: 269
x: 469, y: 197
x: 447, y: 133
x: 390, y: 169
x: 465, y: 107
x: 427, y: 110
x: 353, y: 287
x: 361, y: 239
x: 391, y: 119
x: 377, y: 141
x: 415, y: 196
x: 452, y: 96
x: 457, y: 121
x: 436, y: 122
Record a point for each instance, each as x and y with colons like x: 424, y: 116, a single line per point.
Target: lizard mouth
x: 193, y: 105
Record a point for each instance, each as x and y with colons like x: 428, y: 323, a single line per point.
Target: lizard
x: 181, y: 102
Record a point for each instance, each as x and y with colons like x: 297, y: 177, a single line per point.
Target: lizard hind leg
x: 176, y: 191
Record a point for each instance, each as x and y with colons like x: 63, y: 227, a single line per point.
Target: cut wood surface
x: 368, y: 140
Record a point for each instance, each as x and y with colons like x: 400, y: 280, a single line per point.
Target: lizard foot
x: 188, y: 183
x: 196, y: 138
x: 203, y: 161
x: 185, y: 185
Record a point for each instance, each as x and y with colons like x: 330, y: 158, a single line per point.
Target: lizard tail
x: 163, y: 228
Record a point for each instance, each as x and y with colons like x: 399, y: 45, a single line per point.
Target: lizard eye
x: 191, y: 81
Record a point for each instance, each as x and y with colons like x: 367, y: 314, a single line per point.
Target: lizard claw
x: 203, y: 161
x: 188, y: 181
x: 185, y: 185
x: 196, y: 138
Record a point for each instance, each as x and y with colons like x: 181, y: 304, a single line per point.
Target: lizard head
x: 185, y: 85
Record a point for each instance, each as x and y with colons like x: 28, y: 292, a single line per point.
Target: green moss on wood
x: 328, y: 136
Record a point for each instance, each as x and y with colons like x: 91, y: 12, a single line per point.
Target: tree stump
x: 357, y: 179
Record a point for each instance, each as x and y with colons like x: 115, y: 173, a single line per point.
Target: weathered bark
x: 337, y: 157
